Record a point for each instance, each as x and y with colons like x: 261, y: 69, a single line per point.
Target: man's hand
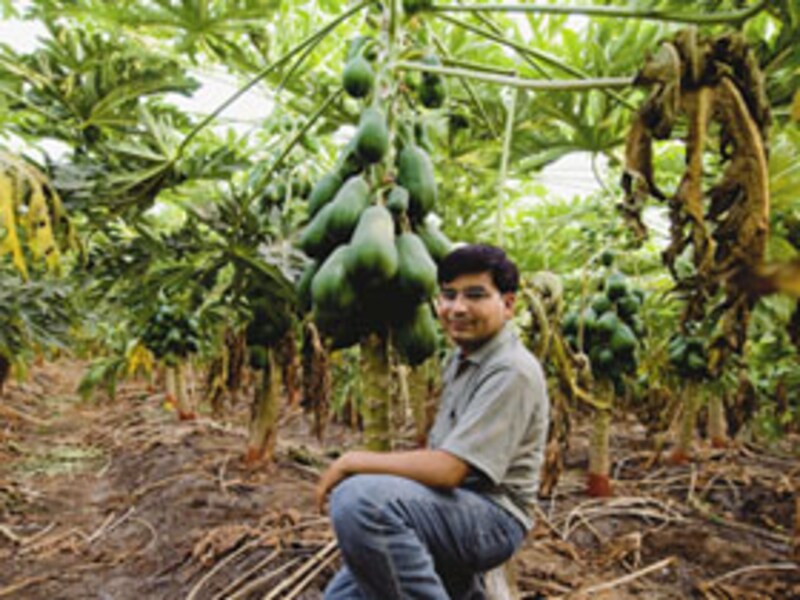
x: 434, y: 468
x: 332, y: 476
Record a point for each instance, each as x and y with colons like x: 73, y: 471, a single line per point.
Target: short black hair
x: 480, y: 258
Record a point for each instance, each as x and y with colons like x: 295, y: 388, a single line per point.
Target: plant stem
x: 310, y: 40
x: 375, y: 407
x: 501, y: 180
x: 521, y: 82
x: 599, y: 455
x: 468, y: 88
x: 528, y: 51
x: 652, y: 14
x: 263, y: 429
x: 300, y: 133
x: 473, y: 66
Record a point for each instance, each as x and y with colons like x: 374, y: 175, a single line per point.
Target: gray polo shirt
x: 493, y: 414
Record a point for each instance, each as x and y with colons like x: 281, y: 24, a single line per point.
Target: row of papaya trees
x: 326, y: 251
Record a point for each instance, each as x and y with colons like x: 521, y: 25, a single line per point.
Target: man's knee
x: 361, y: 500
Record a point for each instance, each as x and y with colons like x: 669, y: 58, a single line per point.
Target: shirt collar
x: 477, y: 356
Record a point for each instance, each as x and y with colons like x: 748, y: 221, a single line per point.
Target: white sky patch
x: 573, y: 175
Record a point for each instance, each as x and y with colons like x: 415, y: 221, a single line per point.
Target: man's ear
x: 509, y: 298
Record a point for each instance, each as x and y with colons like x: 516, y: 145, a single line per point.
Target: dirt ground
x: 118, y: 500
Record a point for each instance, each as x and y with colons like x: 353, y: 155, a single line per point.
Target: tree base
x: 598, y: 486
x: 720, y: 442
x: 256, y: 456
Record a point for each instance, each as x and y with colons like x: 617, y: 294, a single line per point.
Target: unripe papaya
x: 416, y: 272
x: 372, y: 137
x: 361, y: 45
x: 623, y: 340
x: 324, y: 190
x: 331, y: 289
x: 411, y: 7
x: 346, y: 208
x: 415, y: 173
x: 303, y: 286
x: 432, y: 92
x: 372, y: 259
x: 349, y: 162
x: 358, y: 77
x: 435, y: 240
x: 616, y: 286
x: 314, y: 237
x: 416, y: 339
x: 397, y: 202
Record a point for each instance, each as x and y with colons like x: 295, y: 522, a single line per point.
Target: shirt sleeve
x: 493, y: 425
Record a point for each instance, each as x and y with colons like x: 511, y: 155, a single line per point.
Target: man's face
x: 472, y: 309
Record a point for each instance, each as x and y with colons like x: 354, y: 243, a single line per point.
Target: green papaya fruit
x: 269, y: 323
x: 346, y: 208
x: 397, y: 202
x: 313, y: 238
x: 415, y: 173
x: 616, y: 286
x: 349, y: 162
x: 331, y: 289
x: 358, y: 77
x: 623, y: 340
x: 372, y: 136
x: 372, y: 259
x: 437, y: 243
x: 304, y: 285
x: 416, y: 273
x: 627, y: 306
x: 361, y: 45
x: 432, y: 92
x: 342, y: 330
x: 411, y: 7
x: 416, y: 339
x: 607, y: 324
x: 607, y: 258
x: 604, y: 359
x: 600, y: 304
x: 570, y: 324
x: 324, y: 191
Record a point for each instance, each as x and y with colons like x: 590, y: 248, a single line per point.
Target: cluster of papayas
x: 373, y: 251
x: 687, y: 355
x: 282, y: 187
x: 412, y: 7
x: 608, y: 330
x: 429, y: 87
x: 171, y: 333
x: 268, y: 323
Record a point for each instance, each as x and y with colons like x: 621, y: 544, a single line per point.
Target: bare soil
x: 118, y: 500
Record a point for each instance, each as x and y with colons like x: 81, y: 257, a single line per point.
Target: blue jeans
x: 401, y: 540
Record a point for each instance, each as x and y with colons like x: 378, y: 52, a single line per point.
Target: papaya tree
x: 605, y: 328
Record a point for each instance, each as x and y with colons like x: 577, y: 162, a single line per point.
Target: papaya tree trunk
x: 183, y: 400
x: 419, y: 390
x: 717, y: 424
x: 401, y: 396
x: 264, y: 414
x: 683, y: 445
x: 375, y: 407
x: 290, y: 367
x: 169, y: 386
x: 316, y: 378
x: 599, y: 485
